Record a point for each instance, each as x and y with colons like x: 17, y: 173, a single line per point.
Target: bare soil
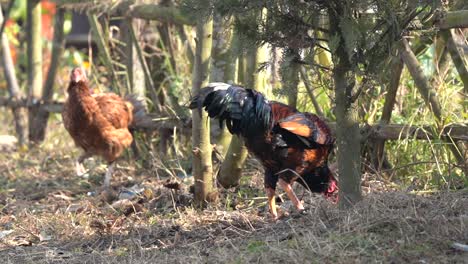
x: 49, y: 215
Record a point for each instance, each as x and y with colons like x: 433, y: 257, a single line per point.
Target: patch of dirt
x: 48, y: 215
x: 156, y: 223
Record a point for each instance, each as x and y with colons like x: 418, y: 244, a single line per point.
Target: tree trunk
x: 58, y: 43
x: 230, y: 171
x: 223, y: 69
x: 13, y: 87
x: 223, y: 59
x: 34, y: 52
x: 202, y: 149
x: 290, y: 75
x: 347, y: 138
x: 347, y: 131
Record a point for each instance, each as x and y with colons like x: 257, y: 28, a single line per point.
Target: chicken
x: 291, y: 145
x: 99, y: 123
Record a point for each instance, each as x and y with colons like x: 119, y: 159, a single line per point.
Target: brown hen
x: 99, y: 123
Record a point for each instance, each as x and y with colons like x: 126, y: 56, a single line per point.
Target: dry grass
x: 50, y: 218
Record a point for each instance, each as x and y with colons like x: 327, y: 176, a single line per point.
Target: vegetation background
x: 391, y: 77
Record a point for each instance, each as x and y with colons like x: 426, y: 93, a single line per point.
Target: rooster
x: 291, y: 145
x: 99, y: 123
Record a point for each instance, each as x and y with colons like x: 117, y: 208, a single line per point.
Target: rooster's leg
x: 80, y: 169
x: 108, y: 176
x: 271, y: 202
x: 292, y: 196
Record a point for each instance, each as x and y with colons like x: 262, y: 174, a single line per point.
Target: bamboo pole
x: 223, y: 69
x: 230, y: 172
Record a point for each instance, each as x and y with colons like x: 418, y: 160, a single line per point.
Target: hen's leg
x: 292, y: 196
x: 108, y: 176
x: 80, y: 169
x: 270, y: 185
x: 272, y: 202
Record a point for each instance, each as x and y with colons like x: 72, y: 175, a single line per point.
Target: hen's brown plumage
x: 291, y: 145
x: 99, y: 124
